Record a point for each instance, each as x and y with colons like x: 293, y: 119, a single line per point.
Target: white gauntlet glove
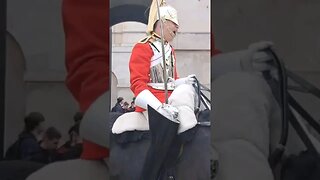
x: 169, y: 112
x: 255, y: 58
x: 146, y: 98
x: 186, y: 80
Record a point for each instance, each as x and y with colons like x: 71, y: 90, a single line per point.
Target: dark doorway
x: 128, y: 12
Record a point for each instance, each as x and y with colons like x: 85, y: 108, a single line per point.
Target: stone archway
x: 128, y: 10
x: 125, y: 11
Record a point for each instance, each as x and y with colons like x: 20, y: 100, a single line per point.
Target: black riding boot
x: 163, y: 131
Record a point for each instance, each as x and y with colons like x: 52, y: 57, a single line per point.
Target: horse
x: 188, y: 150
x: 189, y: 161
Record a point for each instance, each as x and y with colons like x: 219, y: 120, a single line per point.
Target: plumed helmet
x: 167, y: 12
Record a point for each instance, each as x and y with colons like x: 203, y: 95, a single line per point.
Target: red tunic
x: 86, y: 26
x: 139, y: 67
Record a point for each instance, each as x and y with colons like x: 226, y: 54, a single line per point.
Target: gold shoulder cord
x: 145, y: 40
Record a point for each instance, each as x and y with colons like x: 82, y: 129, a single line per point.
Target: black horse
x: 188, y: 157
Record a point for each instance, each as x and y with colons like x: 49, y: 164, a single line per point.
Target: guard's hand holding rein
x: 169, y: 112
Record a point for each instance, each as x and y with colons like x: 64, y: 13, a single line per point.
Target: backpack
x: 13, y: 152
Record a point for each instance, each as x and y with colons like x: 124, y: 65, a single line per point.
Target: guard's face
x: 170, y: 29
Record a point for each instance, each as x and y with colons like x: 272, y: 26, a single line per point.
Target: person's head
x: 33, y: 123
x: 120, y: 100
x: 125, y: 105
x: 77, y: 117
x: 51, y: 139
x: 169, y: 17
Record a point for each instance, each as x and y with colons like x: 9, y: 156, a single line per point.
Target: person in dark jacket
x: 118, y: 106
x: 28, y: 140
x: 48, y: 147
x: 71, y: 149
x: 132, y: 107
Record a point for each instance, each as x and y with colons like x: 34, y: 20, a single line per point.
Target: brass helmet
x: 166, y: 12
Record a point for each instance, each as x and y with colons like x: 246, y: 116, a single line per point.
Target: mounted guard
x: 165, y: 103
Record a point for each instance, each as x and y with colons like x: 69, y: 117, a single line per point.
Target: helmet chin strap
x: 172, y: 34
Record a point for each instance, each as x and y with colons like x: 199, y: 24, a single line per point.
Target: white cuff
x: 146, y: 98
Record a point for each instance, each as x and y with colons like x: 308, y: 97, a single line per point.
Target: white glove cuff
x: 146, y: 98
